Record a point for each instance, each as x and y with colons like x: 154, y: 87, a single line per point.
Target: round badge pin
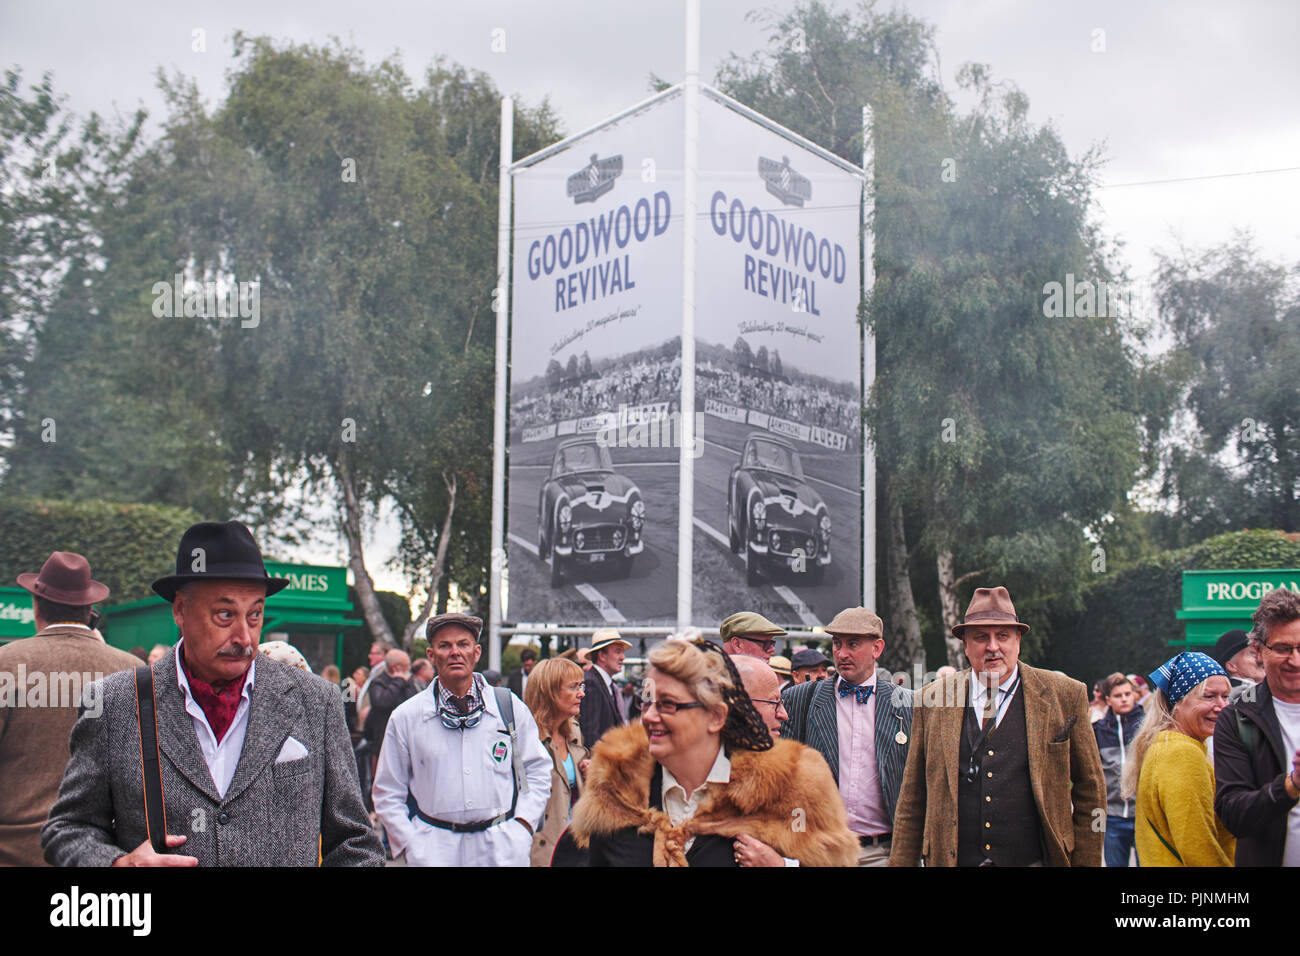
x: 900, y: 738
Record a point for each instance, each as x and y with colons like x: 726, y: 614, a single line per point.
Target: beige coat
x: 34, y: 734
x: 556, y: 819
x: 1065, y: 775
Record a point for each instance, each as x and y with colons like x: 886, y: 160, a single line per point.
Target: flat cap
x: 856, y: 622
x: 472, y: 624
x: 747, y: 622
x: 808, y: 658
x: 1228, y: 646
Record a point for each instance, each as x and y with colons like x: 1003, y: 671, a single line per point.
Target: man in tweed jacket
x: 860, y: 722
x: 255, y: 757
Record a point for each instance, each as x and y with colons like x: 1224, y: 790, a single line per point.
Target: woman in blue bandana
x: 1176, y: 824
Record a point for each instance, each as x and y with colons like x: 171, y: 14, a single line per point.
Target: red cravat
x: 219, y: 706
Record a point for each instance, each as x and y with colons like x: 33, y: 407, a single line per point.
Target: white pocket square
x: 292, y: 750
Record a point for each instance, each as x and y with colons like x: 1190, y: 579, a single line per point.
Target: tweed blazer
x: 1066, y: 776
x: 34, y: 739
x: 273, y: 813
x: 813, y: 721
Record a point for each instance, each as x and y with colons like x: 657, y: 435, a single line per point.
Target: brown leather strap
x: 155, y: 812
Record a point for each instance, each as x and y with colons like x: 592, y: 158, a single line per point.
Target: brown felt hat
x: 65, y: 579
x: 990, y: 607
x: 856, y: 622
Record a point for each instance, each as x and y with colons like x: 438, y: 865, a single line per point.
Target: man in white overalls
x: 455, y: 786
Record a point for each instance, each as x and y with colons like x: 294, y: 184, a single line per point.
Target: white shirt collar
x: 720, y: 772
x: 184, y: 683
x: 609, y: 681
x: 979, y: 692
x: 84, y: 627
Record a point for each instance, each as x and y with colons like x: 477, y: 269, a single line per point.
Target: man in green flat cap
x: 749, y: 634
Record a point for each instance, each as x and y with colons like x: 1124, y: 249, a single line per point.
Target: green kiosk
x: 311, y: 614
x: 1218, y: 601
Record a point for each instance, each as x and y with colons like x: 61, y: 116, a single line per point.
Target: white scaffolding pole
x: 868, y: 367
x: 501, y: 304
x: 686, y: 471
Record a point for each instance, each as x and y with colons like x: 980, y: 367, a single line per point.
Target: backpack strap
x: 1249, y: 734
x: 506, y: 704
x: 155, y: 811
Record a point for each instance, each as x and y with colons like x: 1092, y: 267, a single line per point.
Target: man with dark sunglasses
x: 749, y: 634
x: 463, y: 777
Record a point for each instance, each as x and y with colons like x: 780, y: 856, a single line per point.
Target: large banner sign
x: 595, y: 394
x: 778, y: 500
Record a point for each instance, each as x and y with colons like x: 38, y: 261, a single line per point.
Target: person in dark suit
x: 518, y: 680
x: 860, y: 722
x: 600, y: 710
x: 254, y: 757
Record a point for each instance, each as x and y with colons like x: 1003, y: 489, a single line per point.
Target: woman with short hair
x: 1170, y: 771
x: 554, y: 694
x: 700, y: 771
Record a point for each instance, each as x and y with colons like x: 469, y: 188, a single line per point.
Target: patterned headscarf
x: 1180, y: 674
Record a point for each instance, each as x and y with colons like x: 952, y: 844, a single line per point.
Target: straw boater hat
x: 603, y: 638
x: 990, y: 607
x: 856, y: 622
x: 779, y: 664
x: 64, y: 579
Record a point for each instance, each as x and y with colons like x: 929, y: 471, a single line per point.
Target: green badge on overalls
x: 499, y: 752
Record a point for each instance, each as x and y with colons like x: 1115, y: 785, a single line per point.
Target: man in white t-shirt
x: 1257, y: 744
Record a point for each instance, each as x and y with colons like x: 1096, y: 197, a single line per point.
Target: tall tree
x: 1235, y: 319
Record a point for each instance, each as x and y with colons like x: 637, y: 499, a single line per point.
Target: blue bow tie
x: 864, y: 693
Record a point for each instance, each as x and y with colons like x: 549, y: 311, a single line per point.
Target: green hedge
x: 129, y: 546
x: 1127, y: 620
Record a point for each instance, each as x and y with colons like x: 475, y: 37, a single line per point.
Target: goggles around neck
x: 454, y: 721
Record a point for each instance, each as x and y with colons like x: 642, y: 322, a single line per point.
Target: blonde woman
x: 554, y: 695
x: 699, y: 771
x: 1170, y: 771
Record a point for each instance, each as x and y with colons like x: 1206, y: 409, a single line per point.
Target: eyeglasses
x: 576, y: 687
x: 1282, y: 650
x: 666, y: 707
x: 767, y: 645
x: 774, y: 703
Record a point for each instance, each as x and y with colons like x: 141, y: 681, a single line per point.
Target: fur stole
x: 785, y: 797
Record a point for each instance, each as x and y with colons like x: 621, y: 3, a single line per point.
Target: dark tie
x: 863, y: 692
x: 618, y: 711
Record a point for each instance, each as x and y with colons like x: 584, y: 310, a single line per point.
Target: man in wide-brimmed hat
x: 42, y: 679
x: 254, y: 756
x: 1007, y: 752
x: 861, y: 722
x: 600, y: 709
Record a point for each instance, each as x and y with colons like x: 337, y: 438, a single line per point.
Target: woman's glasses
x: 665, y: 707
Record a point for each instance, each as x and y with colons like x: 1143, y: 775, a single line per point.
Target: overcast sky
x: 1188, y: 89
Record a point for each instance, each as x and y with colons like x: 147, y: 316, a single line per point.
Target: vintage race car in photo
x: 774, y: 517
x: 587, y: 513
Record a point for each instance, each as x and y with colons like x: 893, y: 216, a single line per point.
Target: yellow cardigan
x: 1176, y: 795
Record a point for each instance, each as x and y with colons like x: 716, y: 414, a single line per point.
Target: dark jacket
x: 386, y: 693
x: 1115, y: 735
x: 598, y: 713
x: 1249, y: 789
x: 813, y: 721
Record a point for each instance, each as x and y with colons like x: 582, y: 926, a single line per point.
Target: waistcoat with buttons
x: 997, y: 818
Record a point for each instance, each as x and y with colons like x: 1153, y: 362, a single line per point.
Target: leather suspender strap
x: 155, y: 813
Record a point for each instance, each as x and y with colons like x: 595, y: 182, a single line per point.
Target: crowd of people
x: 794, y: 401
x: 639, y: 381
x: 228, y: 751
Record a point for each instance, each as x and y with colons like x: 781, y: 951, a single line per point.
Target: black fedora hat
x: 217, y: 551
